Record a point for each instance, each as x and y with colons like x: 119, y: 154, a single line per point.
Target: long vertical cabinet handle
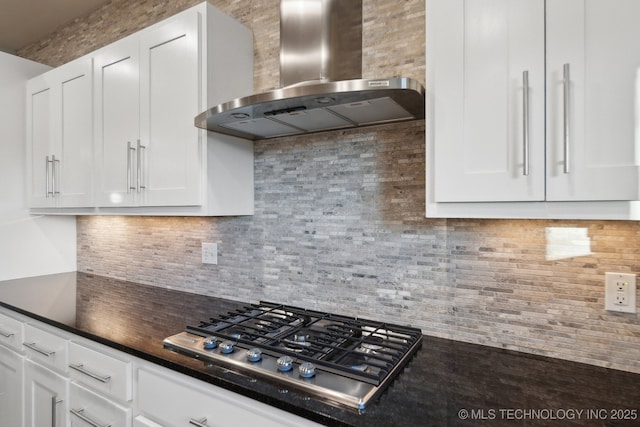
x: 54, y: 187
x: 46, y: 177
x: 139, y: 184
x: 54, y: 410
x: 525, y: 122
x: 566, y: 83
x: 129, y: 179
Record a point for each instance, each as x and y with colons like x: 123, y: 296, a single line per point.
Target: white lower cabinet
x: 46, y: 397
x: 176, y: 400
x: 102, y: 371
x: 11, y: 392
x: 87, y: 408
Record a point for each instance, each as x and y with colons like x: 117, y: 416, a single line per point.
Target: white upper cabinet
x: 60, y: 137
x: 150, y: 159
x: 532, y: 109
x: 149, y: 87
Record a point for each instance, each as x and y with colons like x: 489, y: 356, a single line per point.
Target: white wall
x: 29, y: 245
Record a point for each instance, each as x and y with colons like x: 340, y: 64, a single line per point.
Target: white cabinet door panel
x: 75, y: 147
x: 39, y: 140
x: 482, y: 48
x: 118, y: 121
x: 11, y: 391
x: 598, y: 41
x: 171, y: 92
x: 46, y: 397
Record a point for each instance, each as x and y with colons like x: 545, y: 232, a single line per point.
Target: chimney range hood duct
x: 321, y: 78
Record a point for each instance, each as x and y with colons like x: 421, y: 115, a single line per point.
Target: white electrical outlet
x: 620, y: 292
x: 209, y: 253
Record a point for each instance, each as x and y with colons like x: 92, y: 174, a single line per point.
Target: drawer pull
x: 82, y: 369
x: 80, y: 414
x: 199, y: 423
x: 7, y: 334
x: 35, y: 348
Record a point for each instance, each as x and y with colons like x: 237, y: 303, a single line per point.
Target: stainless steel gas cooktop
x: 338, y: 359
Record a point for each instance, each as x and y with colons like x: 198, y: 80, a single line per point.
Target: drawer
x: 11, y: 332
x: 46, y: 348
x: 101, y: 371
x: 141, y: 421
x: 177, y: 401
x: 87, y: 408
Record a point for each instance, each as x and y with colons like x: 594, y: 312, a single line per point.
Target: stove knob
x: 307, y: 370
x: 254, y: 355
x: 285, y: 363
x: 226, y: 347
x: 210, y: 343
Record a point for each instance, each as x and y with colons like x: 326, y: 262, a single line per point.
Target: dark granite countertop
x: 447, y: 383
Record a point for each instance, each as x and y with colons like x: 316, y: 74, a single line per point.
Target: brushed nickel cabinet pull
x: 129, y: 179
x: 80, y: 414
x: 566, y: 116
x: 33, y: 346
x: 80, y: 368
x: 525, y: 122
x: 202, y: 422
x: 139, y: 184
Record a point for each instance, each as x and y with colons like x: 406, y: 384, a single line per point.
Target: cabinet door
x: 74, y: 149
x: 598, y: 42
x: 489, y: 131
x: 45, y: 397
x: 11, y: 371
x: 171, y: 96
x: 40, y: 134
x: 117, y: 104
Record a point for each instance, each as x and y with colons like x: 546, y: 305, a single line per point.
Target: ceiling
x: 25, y: 21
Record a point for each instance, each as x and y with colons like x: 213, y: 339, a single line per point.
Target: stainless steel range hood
x: 320, y: 75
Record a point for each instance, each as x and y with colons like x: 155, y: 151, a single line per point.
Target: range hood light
x: 325, y: 100
x: 240, y: 116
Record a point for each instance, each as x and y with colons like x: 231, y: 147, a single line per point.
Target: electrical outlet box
x: 620, y: 292
x: 209, y: 253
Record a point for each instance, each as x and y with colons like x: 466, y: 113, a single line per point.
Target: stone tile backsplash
x: 339, y: 222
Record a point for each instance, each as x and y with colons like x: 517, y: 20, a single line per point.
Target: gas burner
x: 357, y: 362
x: 235, y: 332
x: 303, y: 339
x: 341, y: 329
x: 371, y: 344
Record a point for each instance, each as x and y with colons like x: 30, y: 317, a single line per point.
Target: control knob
x: 254, y: 355
x: 285, y: 363
x: 307, y: 370
x: 226, y: 347
x: 210, y: 343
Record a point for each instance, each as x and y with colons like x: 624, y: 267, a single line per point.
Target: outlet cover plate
x: 620, y: 292
x: 209, y: 253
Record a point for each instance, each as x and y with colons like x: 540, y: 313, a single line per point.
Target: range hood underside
x: 316, y: 107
